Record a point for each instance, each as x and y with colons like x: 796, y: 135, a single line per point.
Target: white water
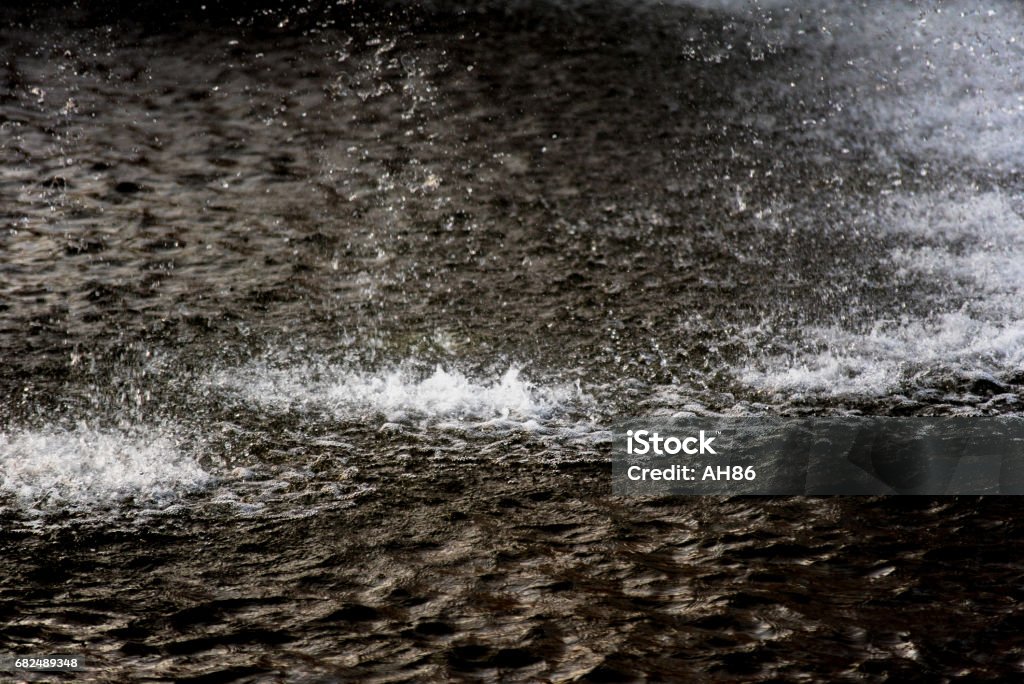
x: 90, y: 468
x: 939, y: 83
x: 445, y: 397
x: 973, y: 246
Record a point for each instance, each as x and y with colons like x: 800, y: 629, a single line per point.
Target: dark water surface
x: 313, y: 320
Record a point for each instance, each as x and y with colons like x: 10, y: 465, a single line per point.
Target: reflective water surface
x: 313, y: 322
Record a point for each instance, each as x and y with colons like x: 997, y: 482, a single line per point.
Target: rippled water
x: 313, y: 321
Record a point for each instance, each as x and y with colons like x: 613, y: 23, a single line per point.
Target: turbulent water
x: 313, y: 321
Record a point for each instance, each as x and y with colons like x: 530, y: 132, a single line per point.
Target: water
x: 313, y: 322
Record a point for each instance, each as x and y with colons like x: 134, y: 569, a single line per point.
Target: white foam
x: 935, y: 83
x: 893, y: 355
x: 399, y: 394
x: 86, y: 467
x: 976, y: 243
x: 974, y: 250
x: 932, y: 81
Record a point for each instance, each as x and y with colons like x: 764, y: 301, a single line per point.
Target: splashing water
x: 86, y: 467
x: 398, y: 394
